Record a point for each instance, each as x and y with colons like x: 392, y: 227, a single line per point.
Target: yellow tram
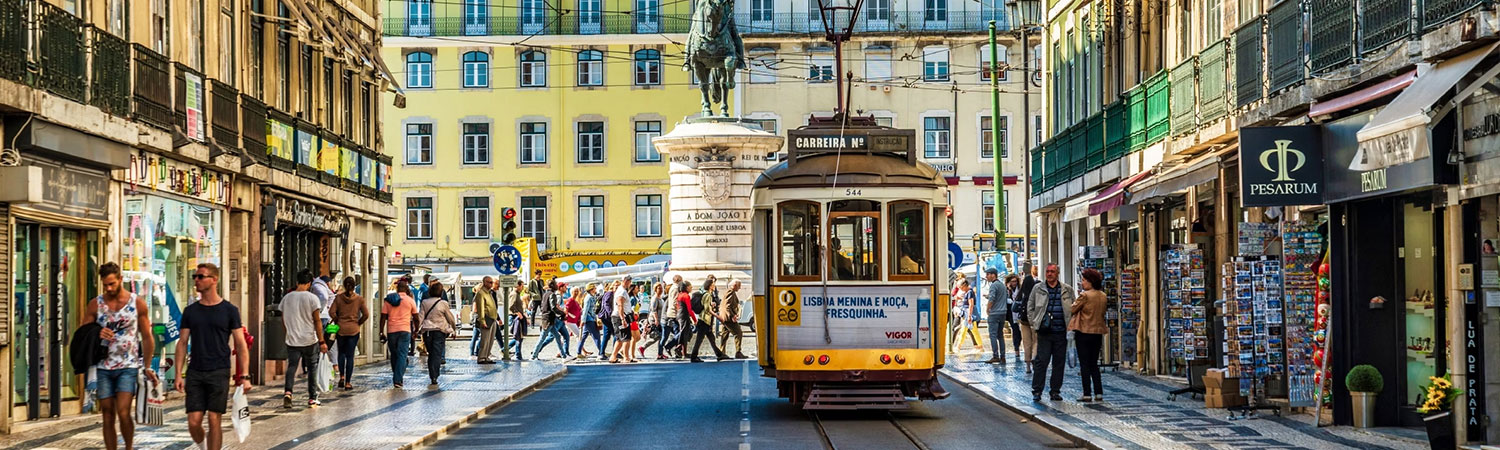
x: 849, y: 266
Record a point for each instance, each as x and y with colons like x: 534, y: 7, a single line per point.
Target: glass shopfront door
x: 53, y: 278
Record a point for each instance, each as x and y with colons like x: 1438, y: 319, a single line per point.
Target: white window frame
x: 935, y: 67
x: 647, y: 68
x: 984, y: 63
x: 935, y: 10
x: 761, y: 71
x: 877, y: 11
x: 941, y: 146
x: 987, y: 210
x: 590, y: 216
x: 534, y: 219
x: 419, y: 219
x: 476, y: 73
x: 476, y: 218
x: 419, y: 144
x: 532, y: 145
x: 476, y: 145
x: 589, y: 145
x: 418, y: 70
x: 533, y: 73
x: 820, y: 68
x: 590, y: 68
x: 590, y: 16
x: 762, y: 12
x: 645, y: 152
x: 476, y: 17
x: 878, y: 64
x: 648, y: 215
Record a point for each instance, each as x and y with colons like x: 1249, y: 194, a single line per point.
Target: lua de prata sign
x: 1281, y: 166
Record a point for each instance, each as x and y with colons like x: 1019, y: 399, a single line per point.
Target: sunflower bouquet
x: 1440, y: 395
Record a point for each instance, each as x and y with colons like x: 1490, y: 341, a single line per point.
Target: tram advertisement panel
x: 858, y: 317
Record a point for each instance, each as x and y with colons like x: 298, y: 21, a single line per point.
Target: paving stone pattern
x: 1136, y: 414
x: 372, y: 416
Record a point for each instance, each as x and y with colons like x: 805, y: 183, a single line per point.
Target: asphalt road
x: 727, y: 405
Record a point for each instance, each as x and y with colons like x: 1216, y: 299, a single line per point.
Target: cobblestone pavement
x: 372, y: 416
x: 1136, y: 414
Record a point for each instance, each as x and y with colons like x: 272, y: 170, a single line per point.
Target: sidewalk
x: 1137, y: 415
x: 372, y: 416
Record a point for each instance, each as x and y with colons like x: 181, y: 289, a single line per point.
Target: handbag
x: 149, y: 409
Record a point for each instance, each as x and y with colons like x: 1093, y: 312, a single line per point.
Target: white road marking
x: 745, y: 406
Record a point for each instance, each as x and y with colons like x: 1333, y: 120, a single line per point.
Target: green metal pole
x: 995, y: 143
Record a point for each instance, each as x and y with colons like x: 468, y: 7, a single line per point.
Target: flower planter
x: 1364, y: 408
x: 1440, y: 431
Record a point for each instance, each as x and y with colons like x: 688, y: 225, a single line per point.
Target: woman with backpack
x: 551, y: 316
x: 438, y: 323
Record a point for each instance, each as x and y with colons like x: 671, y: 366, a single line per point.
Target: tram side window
x: 801, y: 230
x: 908, y: 237
x: 854, y: 240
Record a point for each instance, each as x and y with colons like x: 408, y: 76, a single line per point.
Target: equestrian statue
x: 714, y: 51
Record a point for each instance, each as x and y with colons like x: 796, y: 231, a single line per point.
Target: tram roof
x: 852, y: 169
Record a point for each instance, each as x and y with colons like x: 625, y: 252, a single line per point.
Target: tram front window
x: 854, y: 246
x: 801, y: 228
x: 908, y: 233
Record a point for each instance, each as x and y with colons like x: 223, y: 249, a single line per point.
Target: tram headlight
x: 900, y: 359
x: 823, y: 360
x: 885, y: 359
x: 807, y: 360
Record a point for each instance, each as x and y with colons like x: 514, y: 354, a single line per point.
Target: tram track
x: 831, y: 442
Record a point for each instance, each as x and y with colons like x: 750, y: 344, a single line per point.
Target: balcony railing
x: 1158, y: 98
x: 1436, y: 13
x: 1135, y: 100
x: 1385, y: 21
x: 1213, y: 82
x: 153, y: 87
x: 111, y: 74
x: 1333, y: 43
x: 545, y: 25
x: 13, y: 40
x: 891, y: 22
x: 63, y: 52
x: 1093, y: 142
x: 1038, y: 171
x: 253, y: 131
x: 1184, y: 96
x: 1250, y: 62
x: 225, y: 114
x: 1116, y: 129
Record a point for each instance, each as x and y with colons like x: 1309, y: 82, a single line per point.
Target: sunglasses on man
x: 199, y: 276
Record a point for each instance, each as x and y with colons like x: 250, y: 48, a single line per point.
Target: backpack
x: 607, y: 304
x: 598, y: 309
x: 698, y: 302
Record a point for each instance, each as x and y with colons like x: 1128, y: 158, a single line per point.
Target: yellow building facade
x: 557, y: 127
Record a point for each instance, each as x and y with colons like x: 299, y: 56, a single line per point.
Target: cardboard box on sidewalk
x: 1220, y: 391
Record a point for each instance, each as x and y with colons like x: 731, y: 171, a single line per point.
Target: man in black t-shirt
x: 209, y: 326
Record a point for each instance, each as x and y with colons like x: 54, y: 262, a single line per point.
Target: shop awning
x: 1170, y: 181
x: 1077, y: 208
x: 1114, y: 196
x: 1362, y: 96
x: 1398, y: 134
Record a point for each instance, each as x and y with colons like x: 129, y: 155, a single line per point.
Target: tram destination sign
x: 822, y: 140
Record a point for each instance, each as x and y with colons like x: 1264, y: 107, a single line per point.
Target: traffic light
x: 949, y: 213
x: 507, y: 225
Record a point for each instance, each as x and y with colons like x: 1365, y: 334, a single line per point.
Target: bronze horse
x: 714, y: 52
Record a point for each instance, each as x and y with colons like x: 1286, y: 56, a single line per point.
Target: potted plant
x: 1437, y: 410
x: 1364, y: 383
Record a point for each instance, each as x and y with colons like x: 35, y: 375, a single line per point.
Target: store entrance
x: 1424, y: 307
x: 53, y: 272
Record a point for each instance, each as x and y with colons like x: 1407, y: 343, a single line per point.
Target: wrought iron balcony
x: 225, y: 114
x: 110, y: 89
x: 13, y: 40
x: 153, y: 87
x: 1384, y: 22
x: 62, y: 52
x: 575, y: 23
x: 1250, y: 62
x: 1333, y: 43
x: 1184, y: 96
x: 875, y: 22
x: 1436, y: 13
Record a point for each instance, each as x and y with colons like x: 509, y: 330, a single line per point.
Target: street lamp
x: 839, y: 17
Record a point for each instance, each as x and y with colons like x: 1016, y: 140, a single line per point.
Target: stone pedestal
x: 713, y: 164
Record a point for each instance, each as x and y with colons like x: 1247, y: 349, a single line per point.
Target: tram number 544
x: 853, y: 192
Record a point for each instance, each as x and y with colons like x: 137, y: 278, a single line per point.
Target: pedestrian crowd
x: 1043, y: 318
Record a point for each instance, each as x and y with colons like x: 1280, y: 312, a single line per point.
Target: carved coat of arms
x: 715, y: 173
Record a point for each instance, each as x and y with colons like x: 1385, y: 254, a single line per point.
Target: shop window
x: 476, y: 217
x: 908, y: 238
x: 648, y: 215
x: 801, y: 232
x: 591, y: 216
x: 854, y: 240
x: 419, y: 218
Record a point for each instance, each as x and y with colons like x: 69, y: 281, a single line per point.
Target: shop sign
x: 1399, y: 147
x: 169, y: 175
x: 1481, y: 128
x: 1281, y: 166
x: 1474, y: 391
x: 194, y: 100
x: 1346, y: 179
x: 308, y: 215
x: 944, y: 167
x: 72, y: 191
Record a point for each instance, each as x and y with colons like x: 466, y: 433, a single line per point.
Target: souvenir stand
x: 1130, y: 312
x: 1302, y: 249
x: 1184, y: 285
x: 1100, y: 258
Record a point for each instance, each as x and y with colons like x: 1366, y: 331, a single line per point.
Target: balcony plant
x: 1437, y: 411
x: 1364, y: 383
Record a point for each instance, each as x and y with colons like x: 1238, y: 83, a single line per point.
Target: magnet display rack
x: 1302, y: 249
x: 1099, y: 258
x: 1130, y: 312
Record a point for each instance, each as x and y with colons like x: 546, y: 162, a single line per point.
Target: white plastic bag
x: 240, y: 415
x: 325, y: 375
